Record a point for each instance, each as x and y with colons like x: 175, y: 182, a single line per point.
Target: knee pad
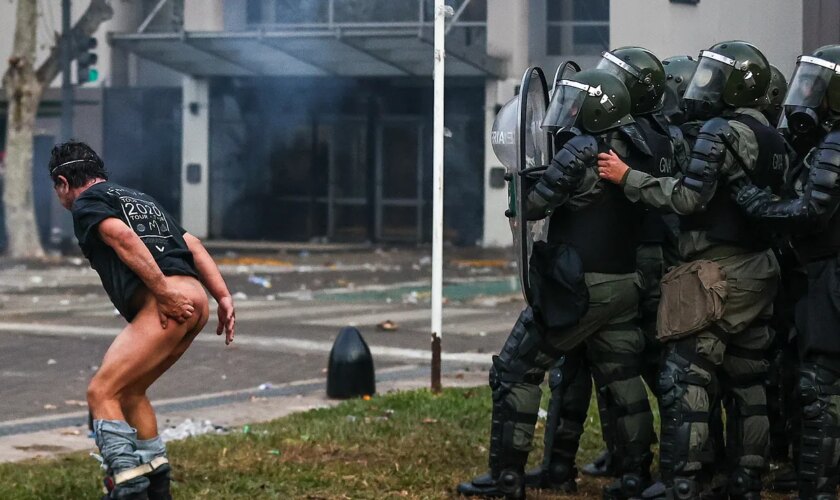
x: 810, y: 391
x: 670, y: 390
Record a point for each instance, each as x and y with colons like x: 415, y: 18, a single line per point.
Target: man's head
x: 73, y: 167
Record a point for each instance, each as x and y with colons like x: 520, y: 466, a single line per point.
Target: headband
x: 69, y: 162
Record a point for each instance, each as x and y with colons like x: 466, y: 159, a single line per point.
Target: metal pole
x: 66, y: 84
x: 437, y: 212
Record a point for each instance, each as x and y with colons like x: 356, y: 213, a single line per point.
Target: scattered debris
x: 542, y: 414
x: 52, y: 361
x: 259, y: 281
x: 387, y: 326
x: 36, y: 280
x: 252, y: 261
x: 425, y: 261
x: 430, y: 420
x: 351, y: 418
x: 50, y: 407
x: 189, y: 428
x: 265, y: 386
x: 71, y: 432
x: 240, y: 296
x: 481, y: 263
x: 76, y: 402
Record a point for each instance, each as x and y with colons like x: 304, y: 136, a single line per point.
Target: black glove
x: 752, y: 199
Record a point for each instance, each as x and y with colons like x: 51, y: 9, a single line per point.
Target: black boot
x: 159, y: 482
x: 557, y: 476
x: 782, y: 477
x: 744, y: 484
x: 681, y: 489
x: 600, y: 467
x: 634, y: 467
x: 508, y: 483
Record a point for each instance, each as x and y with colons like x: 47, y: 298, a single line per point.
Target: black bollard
x: 350, y: 373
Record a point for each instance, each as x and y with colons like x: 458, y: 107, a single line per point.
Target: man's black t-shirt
x: 162, y: 235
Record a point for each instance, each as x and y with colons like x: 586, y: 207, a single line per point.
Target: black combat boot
x: 681, y: 488
x: 634, y: 469
x: 159, y: 482
x: 602, y: 466
x: 744, y: 484
x: 557, y: 476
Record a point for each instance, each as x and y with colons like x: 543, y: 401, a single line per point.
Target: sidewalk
x: 55, y: 435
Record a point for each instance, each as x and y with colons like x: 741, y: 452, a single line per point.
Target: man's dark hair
x: 76, y: 161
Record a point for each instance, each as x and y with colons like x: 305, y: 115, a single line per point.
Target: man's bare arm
x: 212, y: 279
x: 131, y: 250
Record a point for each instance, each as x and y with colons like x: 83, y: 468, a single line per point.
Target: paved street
x: 56, y: 323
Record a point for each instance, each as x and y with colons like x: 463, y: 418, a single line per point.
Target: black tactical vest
x: 605, y: 233
x: 660, y: 163
x: 723, y: 220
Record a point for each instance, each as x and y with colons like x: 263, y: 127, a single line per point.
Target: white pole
x: 437, y: 213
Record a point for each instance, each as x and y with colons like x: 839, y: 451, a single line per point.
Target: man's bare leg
x: 135, y: 359
x: 136, y: 406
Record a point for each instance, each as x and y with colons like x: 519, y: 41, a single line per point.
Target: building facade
x: 310, y: 120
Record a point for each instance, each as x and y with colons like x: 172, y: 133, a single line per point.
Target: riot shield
x: 523, y: 147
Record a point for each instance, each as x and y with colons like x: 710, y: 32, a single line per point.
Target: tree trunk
x: 23, y: 93
x: 24, y: 86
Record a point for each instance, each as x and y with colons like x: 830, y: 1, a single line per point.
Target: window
x: 577, y: 27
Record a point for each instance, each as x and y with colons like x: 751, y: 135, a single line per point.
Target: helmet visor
x: 566, y: 105
x: 614, y: 65
x: 710, y: 78
x: 810, y: 82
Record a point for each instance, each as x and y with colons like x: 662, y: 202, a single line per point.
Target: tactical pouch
x: 693, y: 296
x: 559, y: 294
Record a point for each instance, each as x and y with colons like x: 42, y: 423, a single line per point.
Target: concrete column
x: 507, y: 39
x: 204, y: 15
x: 195, y: 157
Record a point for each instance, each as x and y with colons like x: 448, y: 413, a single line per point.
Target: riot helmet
x: 729, y: 75
x: 592, y: 101
x: 642, y: 74
x: 678, y: 72
x: 814, y: 95
x: 775, y: 96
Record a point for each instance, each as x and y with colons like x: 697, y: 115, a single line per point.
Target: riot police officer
x: 593, y: 232
x: 650, y: 145
x: 678, y: 72
x: 812, y: 109
x: 717, y: 341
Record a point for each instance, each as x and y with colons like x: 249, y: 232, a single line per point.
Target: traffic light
x: 86, y: 62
